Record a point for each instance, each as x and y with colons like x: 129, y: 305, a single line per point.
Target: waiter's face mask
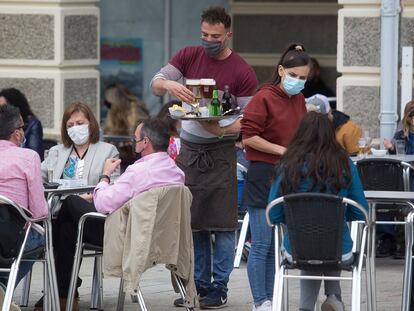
x: 214, y: 48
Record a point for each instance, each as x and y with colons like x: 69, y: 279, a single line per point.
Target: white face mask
x: 79, y: 134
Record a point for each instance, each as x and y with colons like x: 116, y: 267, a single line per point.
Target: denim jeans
x: 223, y: 257
x: 34, y: 240
x: 261, y: 262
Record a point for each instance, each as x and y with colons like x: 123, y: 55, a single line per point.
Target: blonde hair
x: 406, y: 121
x: 126, y: 111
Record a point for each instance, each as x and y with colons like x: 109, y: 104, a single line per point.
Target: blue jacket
x: 354, y: 192
x: 34, y: 136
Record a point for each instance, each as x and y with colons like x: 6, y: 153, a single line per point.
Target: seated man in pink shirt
x: 154, y: 169
x: 20, y: 178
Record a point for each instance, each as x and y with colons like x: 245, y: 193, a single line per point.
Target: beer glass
x: 194, y: 86
x: 207, y: 86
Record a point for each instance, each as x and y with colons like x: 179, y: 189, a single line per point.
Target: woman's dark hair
x: 18, y: 99
x: 93, y: 124
x: 293, y: 56
x: 314, y: 154
x: 164, y: 115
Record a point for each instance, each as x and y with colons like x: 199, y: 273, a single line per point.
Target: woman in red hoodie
x: 269, y: 121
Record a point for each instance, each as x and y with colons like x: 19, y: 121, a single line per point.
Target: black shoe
x: 399, y: 253
x: 201, y: 293
x: 385, y: 248
x: 216, y: 299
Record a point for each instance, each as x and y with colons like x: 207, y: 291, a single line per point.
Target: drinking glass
x: 51, y: 158
x: 400, y: 147
x: 194, y: 86
x: 362, y: 142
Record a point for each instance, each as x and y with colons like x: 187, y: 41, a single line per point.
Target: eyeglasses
x: 137, y: 141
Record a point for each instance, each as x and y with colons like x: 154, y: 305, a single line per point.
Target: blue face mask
x: 291, y: 85
x: 213, y: 48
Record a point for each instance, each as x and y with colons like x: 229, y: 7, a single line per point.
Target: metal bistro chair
x: 316, y: 240
x: 243, y: 231
x: 84, y: 250
x: 384, y: 175
x: 10, y: 259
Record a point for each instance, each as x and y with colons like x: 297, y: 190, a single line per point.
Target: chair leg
x: 10, y: 286
x: 94, y: 289
x: 286, y: 294
x: 100, y: 282
x: 141, y: 301
x: 24, y: 300
x: 50, y: 267
x: 406, y: 297
x: 181, y: 288
x: 242, y: 239
x: 278, y: 289
x: 74, y: 277
x: 121, y: 296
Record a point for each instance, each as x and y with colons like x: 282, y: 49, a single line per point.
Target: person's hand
x: 87, y: 197
x: 178, y: 90
x: 388, y: 145
x: 212, y: 127
x: 110, y: 166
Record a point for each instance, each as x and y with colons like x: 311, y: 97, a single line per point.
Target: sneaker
x: 384, y: 248
x: 13, y: 306
x: 265, y: 306
x: 215, y: 299
x: 201, y: 294
x: 399, y: 252
x: 332, y: 303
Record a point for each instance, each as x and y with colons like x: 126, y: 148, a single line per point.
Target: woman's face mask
x: 292, y: 85
x: 79, y: 134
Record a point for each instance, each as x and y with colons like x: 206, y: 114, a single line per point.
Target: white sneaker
x: 332, y: 303
x: 265, y: 306
x: 13, y: 306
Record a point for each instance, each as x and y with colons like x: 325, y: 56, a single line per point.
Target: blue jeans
x: 261, y: 262
x: 34, y: 240
x: 223, y: 257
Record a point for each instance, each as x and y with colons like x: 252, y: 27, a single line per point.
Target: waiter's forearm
x: 158, y: 87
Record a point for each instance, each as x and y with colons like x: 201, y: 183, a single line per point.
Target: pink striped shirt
x: 21, y: 179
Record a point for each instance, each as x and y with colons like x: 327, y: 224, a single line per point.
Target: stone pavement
x: 159, y: 295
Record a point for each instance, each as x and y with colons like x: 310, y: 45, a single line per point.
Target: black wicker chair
x: 315, y: 224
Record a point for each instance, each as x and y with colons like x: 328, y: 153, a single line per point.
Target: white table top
x: 405, y: 157
x: 66, y: 190
x: 389, y: 195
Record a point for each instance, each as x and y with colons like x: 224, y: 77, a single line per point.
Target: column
x: 49, y: 50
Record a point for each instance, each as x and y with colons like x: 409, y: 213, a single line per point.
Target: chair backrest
x: 12, y: 231
x: 315, y: 223
x: 382, y: 174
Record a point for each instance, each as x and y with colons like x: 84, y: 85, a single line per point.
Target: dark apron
x: 210, y: 173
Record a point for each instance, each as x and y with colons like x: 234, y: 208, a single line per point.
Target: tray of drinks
x: 193, y: 116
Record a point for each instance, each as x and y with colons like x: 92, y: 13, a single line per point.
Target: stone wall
x: 50, y: 49
x: 271, y: 25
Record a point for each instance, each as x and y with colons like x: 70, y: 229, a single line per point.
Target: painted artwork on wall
x: 121, y: 62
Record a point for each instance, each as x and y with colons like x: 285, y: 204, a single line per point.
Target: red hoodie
x: 274, y: 116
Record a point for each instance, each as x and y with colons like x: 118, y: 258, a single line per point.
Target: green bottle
x: 215, y: 105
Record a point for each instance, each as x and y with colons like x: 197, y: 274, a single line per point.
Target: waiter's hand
x: 212, y: 127
x: 110, y: 166
x: 178, y: 90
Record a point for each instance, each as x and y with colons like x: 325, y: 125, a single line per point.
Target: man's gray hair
x: 10, y: 120
x: 157, y: 132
